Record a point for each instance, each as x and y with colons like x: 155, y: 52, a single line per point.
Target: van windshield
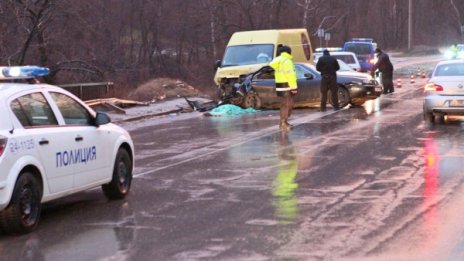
x: 248, y: 54
x: 358, y: 48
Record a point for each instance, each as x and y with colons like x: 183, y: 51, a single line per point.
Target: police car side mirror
x: 309, y: 76
x: 102, y: 118
x: 217, y: 64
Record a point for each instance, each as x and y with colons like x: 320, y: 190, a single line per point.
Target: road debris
x: 114, y: 104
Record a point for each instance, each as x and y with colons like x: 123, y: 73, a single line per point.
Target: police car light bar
x: 330, y: 49
x: 368, y: 40
x: 23, y: 72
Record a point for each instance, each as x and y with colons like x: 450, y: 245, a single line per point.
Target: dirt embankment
x: 163, y: 88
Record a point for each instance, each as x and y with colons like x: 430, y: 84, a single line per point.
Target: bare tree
x: 34, y: 16
x: 459, y: 16
x: 307, y: 9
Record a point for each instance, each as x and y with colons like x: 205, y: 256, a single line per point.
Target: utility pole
x: 410, y: 30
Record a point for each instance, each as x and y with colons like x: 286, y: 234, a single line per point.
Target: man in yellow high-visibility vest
x: 286, y: 85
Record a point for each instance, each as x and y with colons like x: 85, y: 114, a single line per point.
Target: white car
x: 348, y: 57
x: 52, y: 145
x: 444, y: 92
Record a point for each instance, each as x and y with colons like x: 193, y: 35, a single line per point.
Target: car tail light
x: 373, y: 60
x: 432, y: 87
x: 3, y: 142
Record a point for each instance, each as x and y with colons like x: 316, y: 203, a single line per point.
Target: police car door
x: 90, y: 152
x: 40, y: 126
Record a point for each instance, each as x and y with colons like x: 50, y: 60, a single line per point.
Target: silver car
x: 444, y: 91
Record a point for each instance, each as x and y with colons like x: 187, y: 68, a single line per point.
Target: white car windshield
x: 344, y: 67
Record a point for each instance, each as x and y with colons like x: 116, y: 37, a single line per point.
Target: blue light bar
x: 23, y: 72
x: 368, y: 40
x: 330, y: 49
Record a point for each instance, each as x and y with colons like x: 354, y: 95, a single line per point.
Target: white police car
x: 51, y: 145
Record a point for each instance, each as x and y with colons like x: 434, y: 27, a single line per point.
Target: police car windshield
x: 248, y: 54
x: 359, y: 48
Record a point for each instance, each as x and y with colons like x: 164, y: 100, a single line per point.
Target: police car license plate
x: 457, y: 103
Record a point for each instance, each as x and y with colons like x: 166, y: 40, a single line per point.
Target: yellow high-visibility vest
x: 284, y: 71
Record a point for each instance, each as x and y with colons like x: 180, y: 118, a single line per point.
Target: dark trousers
x: 286, y: 105
x: 329, y: 82
x: 387, y: 81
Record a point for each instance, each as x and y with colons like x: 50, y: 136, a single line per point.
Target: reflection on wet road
x: 285, y: 185
x: 364, y: 182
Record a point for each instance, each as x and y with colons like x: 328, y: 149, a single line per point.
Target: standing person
x: 328, y: 66
x: 385, y: 67
x: 286, y: 86
x: 453, y: 51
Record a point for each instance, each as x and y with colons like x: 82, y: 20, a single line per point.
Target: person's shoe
x: 288, y: 124
x: 336, y: 109
x: 322, y: 109
x: 283, y: 126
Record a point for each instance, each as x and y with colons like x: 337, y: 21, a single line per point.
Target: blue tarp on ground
x: 230, y: 110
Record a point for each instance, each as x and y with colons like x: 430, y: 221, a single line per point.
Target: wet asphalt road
x: 365, y: 183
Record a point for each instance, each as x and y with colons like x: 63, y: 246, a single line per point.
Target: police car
x: 52, y: 145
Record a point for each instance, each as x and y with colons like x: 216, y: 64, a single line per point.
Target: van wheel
x: 251, y: 100
x: 120, y: 184
x: 23, y: 213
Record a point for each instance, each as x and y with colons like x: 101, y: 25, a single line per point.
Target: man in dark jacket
x: 386, y: 68
x: 328, y: 66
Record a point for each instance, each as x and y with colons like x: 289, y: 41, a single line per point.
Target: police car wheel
x: 120, y: 184
x: 23, y: 213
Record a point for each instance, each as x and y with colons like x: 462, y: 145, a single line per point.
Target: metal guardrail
x: 90, y: 91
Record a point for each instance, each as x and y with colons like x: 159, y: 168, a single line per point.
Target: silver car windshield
x: 453, y: 69
x: 248, y: 54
